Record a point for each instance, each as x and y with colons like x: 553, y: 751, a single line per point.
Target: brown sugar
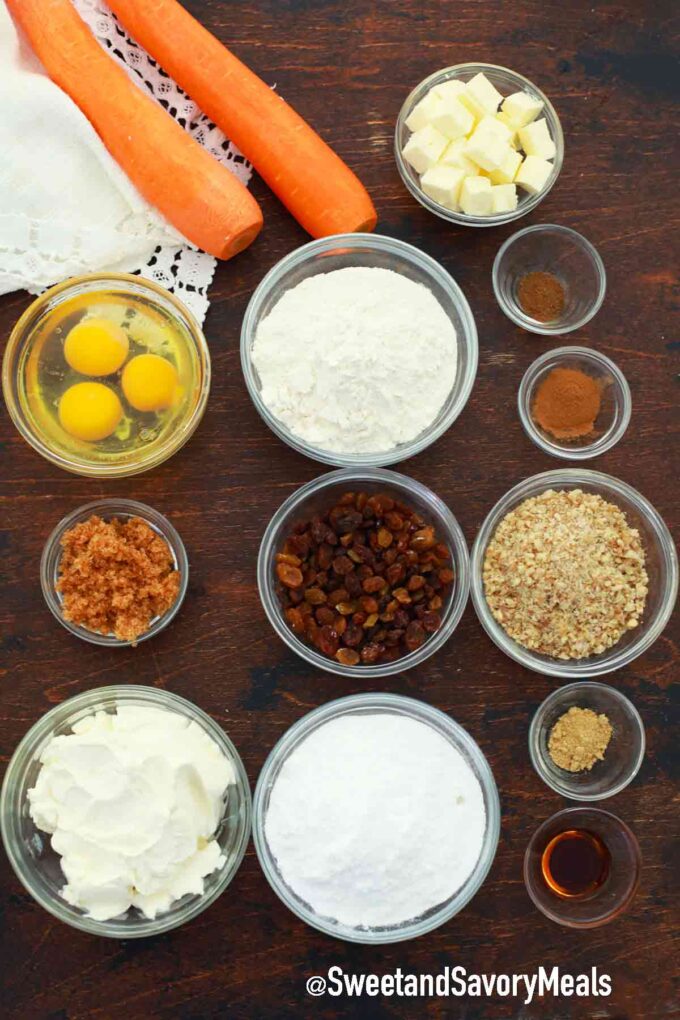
x: 116, y: 576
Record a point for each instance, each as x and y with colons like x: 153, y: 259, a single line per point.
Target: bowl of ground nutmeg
x: 574, y: 403
x: 114, y: 572
x: 587, y: 741
x: 574, y: 573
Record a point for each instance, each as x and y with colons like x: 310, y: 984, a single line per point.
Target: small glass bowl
x: 661, y: 564
x: 565, y: 254
x: 615, y: 410
x: 507, y: 82
x: 20, y: 339
x: 317, y: 497
x: 373, y: 250
x: 29, y: 849
x: 370, y: 704
x: 622, y: 759
x: 106, y: 509
x: 616, y: 892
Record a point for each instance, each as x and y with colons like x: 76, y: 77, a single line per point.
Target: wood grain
x: 347, y: 65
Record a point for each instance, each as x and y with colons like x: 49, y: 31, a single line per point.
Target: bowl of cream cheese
x: 125, y: 811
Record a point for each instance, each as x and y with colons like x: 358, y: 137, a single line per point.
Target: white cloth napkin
x: 65, y: 205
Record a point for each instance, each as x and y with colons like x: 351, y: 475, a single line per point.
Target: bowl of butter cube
x: 478, y: 144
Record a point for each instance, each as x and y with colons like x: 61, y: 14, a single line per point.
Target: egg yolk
x: 150, y: 383
x: 96, y: 347
x: 90, y: 411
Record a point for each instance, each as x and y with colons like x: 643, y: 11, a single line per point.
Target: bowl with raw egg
x: 106, y: 375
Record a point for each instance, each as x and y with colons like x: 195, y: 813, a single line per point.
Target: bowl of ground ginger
x: 114, y: 572
x: 587, y: 741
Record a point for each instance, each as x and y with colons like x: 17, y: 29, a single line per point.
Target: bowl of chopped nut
x: 574, y: 573
x: 364, y: 572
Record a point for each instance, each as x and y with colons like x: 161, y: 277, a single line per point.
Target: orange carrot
x: 319, y: 189
x: 199, y: 196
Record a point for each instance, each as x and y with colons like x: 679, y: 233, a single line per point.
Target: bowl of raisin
x: 364, y: 572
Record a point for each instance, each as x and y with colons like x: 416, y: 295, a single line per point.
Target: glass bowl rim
x: 40, y: 731
x: 108, y: 507
x: 534, y: 485
x: 466, y: 337
x: 516, y: 315
x: 454, y: 536
x: 412, y: 708
x: 18, y: 337
x: 526, y: 389
x: 460, y: 218
x: 579, y: 689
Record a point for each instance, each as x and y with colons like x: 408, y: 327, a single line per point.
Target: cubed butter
x: 452, y: 118
x: 535, y: 139
x: 423, y: 112
x: 443, y: 184
x: 506, y: 173
x: 520, y: 109
x: 480, y: 96
x: 451, y: 89
x: 533, y: 174
x: 475, y: 196
x: 424, y: 148
x: 454, y: 155
x: 503, y: 198
x: 486, y: 146
x: 514, y: 141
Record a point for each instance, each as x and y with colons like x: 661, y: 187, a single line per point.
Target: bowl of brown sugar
x: 574, y: 403
x: 114, y: 572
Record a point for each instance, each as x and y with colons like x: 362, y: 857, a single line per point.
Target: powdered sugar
x: 375, y: 819
x: 358, y: 360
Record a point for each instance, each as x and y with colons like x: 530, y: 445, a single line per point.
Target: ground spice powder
x: 116, y: 576
x: 578, y: 739
x: 541, y: 296
x: 567, y: 403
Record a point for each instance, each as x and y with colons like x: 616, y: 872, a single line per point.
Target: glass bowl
x: 339, y: 252
x: 19, y: 345
x: 507, y: 82
x: 619, y: 887
x: 615, y: 410
x: 38, y: 866
x: 371, y: 704
x: 622, y: 759
x: 317, y: 496
x: 106, y: 509
x: 661, y: 564
x: 565, y: 254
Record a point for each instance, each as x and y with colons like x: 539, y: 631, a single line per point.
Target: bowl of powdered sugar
x: 359, y: 350
x: 376, y: 818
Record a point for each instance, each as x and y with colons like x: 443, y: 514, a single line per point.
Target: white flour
x: 374, y: 819
x: 358, y: 360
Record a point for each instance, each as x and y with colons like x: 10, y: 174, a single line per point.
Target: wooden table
x: 347, y: 65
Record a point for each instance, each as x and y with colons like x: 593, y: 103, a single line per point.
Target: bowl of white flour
x: 359, y: 349
x: 376, y: 818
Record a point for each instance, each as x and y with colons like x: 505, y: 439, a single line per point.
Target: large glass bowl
x: 372, y: 250
x: 661, y: 564
x: 317, y: 497
x: 18, y: 347
x: 38, y: 866
x: 371, y: 704
x: 507, y: 82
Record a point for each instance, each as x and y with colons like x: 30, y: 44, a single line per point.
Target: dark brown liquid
x: 575, y: 863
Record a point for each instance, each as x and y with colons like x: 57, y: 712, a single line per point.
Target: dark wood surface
x: 347, y: 65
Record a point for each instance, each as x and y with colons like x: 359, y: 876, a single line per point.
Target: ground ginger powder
x: 578, y: 739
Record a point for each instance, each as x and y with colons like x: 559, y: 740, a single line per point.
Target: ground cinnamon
x: 541, y: 296
x: 567, y: 403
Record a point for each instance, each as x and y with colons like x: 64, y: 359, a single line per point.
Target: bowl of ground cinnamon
x: 574, y: 403
x: 587, y: 741
x: 548, y: 279
x: 114, y: 572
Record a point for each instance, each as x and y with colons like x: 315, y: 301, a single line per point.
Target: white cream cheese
x: 132, y: 801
